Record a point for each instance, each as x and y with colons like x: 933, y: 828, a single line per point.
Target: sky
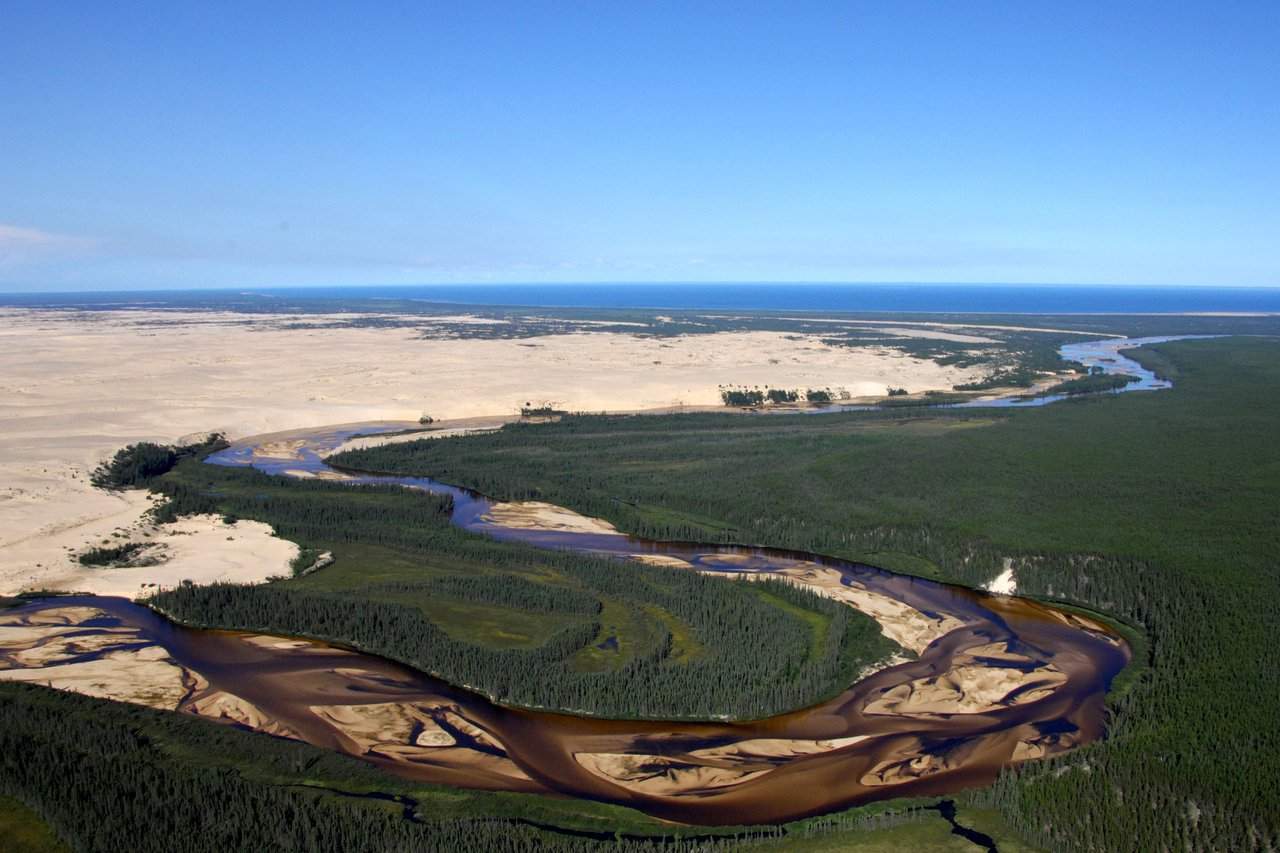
x: 228, y: 144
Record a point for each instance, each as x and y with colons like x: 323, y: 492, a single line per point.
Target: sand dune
x: 77, y: 386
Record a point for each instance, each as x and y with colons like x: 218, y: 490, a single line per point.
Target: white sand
x: 658, y: 775
x: 969, y: 689
x: 901, y: 623
x: 220, y: 705
x: 935, y: 335
x: 1004, y: 583
x: 375, y: 726
x: 534, y: 515
x: 75, y: 387
x: 773, y: 749
x: 39, y: 650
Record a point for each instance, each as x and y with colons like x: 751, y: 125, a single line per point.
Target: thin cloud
x: 16, y: 241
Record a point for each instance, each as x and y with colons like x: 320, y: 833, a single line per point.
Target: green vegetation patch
x: 527, y: 626
x: 24, y: 831
x: 684, y: 645
x: 1092, y: 384
x: 1156, y: 507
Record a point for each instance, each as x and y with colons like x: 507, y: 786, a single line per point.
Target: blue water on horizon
x: 919, y: 298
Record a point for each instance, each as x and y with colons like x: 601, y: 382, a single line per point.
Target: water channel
x: 994, y: 680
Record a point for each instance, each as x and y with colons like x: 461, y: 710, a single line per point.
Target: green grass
x: 626, y: 625
x: 684, y: 645
x: 991, y: 822
x: 489, y: 625
x: 24, y: 831
x: 817, y: 624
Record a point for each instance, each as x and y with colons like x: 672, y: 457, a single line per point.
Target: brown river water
x: 996, y: 680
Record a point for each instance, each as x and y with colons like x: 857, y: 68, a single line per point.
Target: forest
x: 1158, y: 508
x: 575, y: 632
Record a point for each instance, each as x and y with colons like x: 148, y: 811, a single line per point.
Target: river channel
x: 994, y: 679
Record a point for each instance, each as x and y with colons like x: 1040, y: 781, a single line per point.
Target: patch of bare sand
x: 916, y: 763
x: 147, y: 676
x: 906, y: 626
x: 48, y: 647
x: 415, y: 732
x: 968, y: 688
x: 934, y: 334
x: 77, y: 386
x: 464, y: 426
x: 201, y: 549
x: 1004, y: 583
x: 658, y: 775
x: 901, y: 623
x: 227, y: 707
x: 662, y: 560
x: 534, y: 515
x: 301, y: 474
x: 376, y: 726
x: 773, y: 749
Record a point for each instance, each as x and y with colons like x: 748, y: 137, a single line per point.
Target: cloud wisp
x: 18, y: 242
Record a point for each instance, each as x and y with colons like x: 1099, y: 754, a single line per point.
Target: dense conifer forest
x: 1159, y: 508
x: 621, y: 640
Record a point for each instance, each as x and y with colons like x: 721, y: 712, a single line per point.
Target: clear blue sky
x: 224, y: 144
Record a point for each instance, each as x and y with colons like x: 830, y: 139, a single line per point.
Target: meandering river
x: 995, y: 679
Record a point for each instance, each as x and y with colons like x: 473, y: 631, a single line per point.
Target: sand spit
x: 116, y: 663
x: 534, y: 515
x: 917, y: 762
x: 1045, y: 745
x: 374, y: 727
x: 773, y: 750
x: 465, y: 426
x: 660, y: 776
x: 411, y: 733
x: 903, y: 624
x: 662, y: 560
x: 968, y: 689
x: 906, y: 626
x: 229, y: 708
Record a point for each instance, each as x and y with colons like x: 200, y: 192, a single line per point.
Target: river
x: 995, y: 679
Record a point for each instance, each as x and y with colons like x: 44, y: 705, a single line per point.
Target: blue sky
x: 221, y: 144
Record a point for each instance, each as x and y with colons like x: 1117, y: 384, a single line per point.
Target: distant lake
x: 925, y: 298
